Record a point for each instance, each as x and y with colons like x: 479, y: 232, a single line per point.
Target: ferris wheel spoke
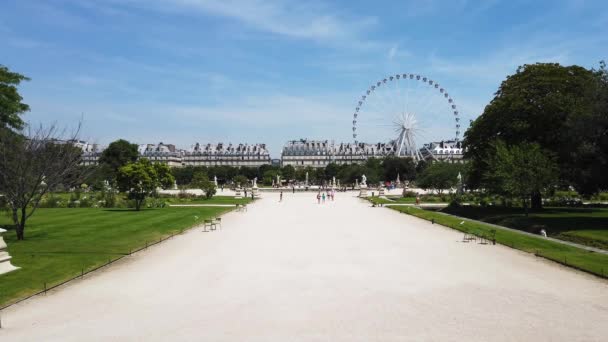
x: 396, y: 105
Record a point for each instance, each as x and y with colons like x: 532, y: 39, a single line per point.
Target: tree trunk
x: 525, y: 200
x: 20, y: 225
x: 15, y: 217
x: 536, y: 201
x: 138, y: 204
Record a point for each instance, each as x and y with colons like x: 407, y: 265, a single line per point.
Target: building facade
x: 447, y: 151
x: 253, y: 155
x: 320, y: 153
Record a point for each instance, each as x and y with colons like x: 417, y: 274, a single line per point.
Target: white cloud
x: 296, y: 19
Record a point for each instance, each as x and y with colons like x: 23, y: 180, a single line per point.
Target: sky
x: 268, y: 71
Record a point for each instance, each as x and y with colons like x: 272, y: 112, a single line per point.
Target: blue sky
x: 181, y: 71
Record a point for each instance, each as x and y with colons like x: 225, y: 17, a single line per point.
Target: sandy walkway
x: 298, y: 271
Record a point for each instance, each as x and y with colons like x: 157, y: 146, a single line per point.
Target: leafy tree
x: 557, y: 107
x: 331, y: 171
x: 288, y: 172
x: 141, y: 178
x: 33, y: 163
x: 201, y: 181
x: 118, y: 154
x: 241, y: 181
x: 11, y: 106
x: 521, y: 170
x: 393, y: 166
x: 439, y: 176
x: 184, y: 175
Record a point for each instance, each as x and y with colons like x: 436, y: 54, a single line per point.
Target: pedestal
x: 381, y: 192
x: 363, y: 192
x: 5, y: 259
x: 239, y: 193
x: 256, y: 192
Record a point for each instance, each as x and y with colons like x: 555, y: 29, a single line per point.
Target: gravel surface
x: 339, y: 271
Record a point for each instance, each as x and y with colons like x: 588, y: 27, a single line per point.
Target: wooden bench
x: 217, y: 221
x: 209, y: 224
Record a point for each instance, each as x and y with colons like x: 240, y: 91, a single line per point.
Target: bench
x: 209, y: 224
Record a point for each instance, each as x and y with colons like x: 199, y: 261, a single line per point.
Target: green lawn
x: 402, y: 200
x: 60, y: 243
x: 574, y: 257
x: 587, y: 226
x: 213, y: 200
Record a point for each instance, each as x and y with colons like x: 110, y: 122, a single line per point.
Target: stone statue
x: 5, y: 258
x: 334, y: 181
x: 215, y: 180
x: 363, y: 180
x: 306, y: 178
x: 255, y: 182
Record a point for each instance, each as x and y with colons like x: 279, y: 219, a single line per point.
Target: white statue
x: 5, y: 258
x: 215, y: 180
x: 363, y: 180
x: 306, y: 178
x: 255, y: 182
x: 334, y: 181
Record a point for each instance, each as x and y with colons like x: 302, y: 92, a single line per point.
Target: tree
x: 118, y: 154
x: 32, y: 163
x: 557, y: 107
x: 393, y: 166
x: 521, y: 170
x: 11, y: 106
x: 440, y: 176
x: 141, y: 178
x: 288, y: 172
x: 201, y: 181
x: 241, y: 180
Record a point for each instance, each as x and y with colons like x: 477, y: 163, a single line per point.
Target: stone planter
x: 5, y: 259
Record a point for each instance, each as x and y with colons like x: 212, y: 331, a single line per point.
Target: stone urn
x: 5, y: 259
x: 381, y: 191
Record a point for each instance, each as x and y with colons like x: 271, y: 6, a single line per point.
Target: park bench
x: 209, y: 224
x: 217, y: 221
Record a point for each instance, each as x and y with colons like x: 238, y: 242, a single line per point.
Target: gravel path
x: 299, y: 271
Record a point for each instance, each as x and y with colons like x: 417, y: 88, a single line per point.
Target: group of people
x: 329, y: 195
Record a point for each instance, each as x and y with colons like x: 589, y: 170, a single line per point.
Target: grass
x: 60, y: 243
x: 213, y: 200
x: 591, y: 262
x: 587, y: 226
x: 402, y: 200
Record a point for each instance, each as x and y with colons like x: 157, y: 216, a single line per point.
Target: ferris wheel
x: 402, y: 108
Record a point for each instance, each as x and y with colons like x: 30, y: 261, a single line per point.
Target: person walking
x: 281, y: 196
x: 319, y: 198
x: 323, y: 197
